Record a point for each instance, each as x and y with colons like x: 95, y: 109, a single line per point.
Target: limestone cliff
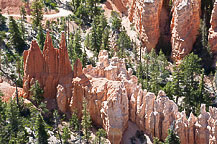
x: 213, y: 29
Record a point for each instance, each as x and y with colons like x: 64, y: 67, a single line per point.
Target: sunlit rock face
x: 213, y: 29
x: 113, y: 96
x: 145, y: 14
x: 50, y: 68
x: 13, y: 6
x: 184, y: 26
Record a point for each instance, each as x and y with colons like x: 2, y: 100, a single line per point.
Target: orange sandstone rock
x: 213, y: 29
x: 13, y: 6
x: 146, y: 16
x: 50, y: 68
x: 113, y: 96
x: 184, y: 26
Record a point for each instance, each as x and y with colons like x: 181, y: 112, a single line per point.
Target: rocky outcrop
x: 50, y: 68
x: 9, y: 91
x: 113, y: 96
x: 118, y: 5
x: 184, y: 26
x: 146, y: 16
x: 13, y: 6
x: 213, y: 29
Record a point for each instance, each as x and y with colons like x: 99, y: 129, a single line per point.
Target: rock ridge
x: 112, y: 94
x: 50, y: 67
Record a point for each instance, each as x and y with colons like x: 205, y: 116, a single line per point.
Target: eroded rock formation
x: 13, y: 6
x: 118, y: 5
x: 145, y: 14
x: 112, y: 95
x: 184, y: 26
x: 213, y: 29
x: 50, y: 68
x: 114, y: 98
x: 152, y: 21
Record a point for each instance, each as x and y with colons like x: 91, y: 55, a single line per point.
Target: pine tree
x: 2, y: 22
x: 190, y: 67
x: 37, y: 13
x: 105, y: 39
x: 172, y: 138
x: 74, y: 123
x: 101, y: 133
x: 15, y: 131
x: 41, y: 133
x: 3, y: 123
x: 86, y: 122
x: 40, y: 37
x: 116, y: 21
x: 76, y: 46
x: 66, y: 135
x: 23, y: 13
x: 22, y: 31
x: 123, y: 43
x: 15, y: 36
x: 154, y: 73
x: 37, y: 93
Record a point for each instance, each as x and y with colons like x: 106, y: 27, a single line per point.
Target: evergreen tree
x: 86, y: 122
x: 87, y: 41
x: 105, y: 39
x: 157, y: 141
x: 190, y: 68
x: 40, y: 37
x: 37, y: 13
x: 2, y: 22
x: 66, y: 135
x: 98, y: 27
x: 15, y: 131
x: 172, y: 138
x: 22, y: 31
x: 154, y: 70
x: 116, y: 21
x: 37, y: 93
x: 41, y: 133
x: 76, y: 46
x: 101, y: 133
x: 3, y: 123
x: 123, y: 43
x: 74, y: 123
x: 15, y: 36
x: 23, y: 13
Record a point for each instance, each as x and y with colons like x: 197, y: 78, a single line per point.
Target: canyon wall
x: 152, y: 21
x: 213, y: 29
